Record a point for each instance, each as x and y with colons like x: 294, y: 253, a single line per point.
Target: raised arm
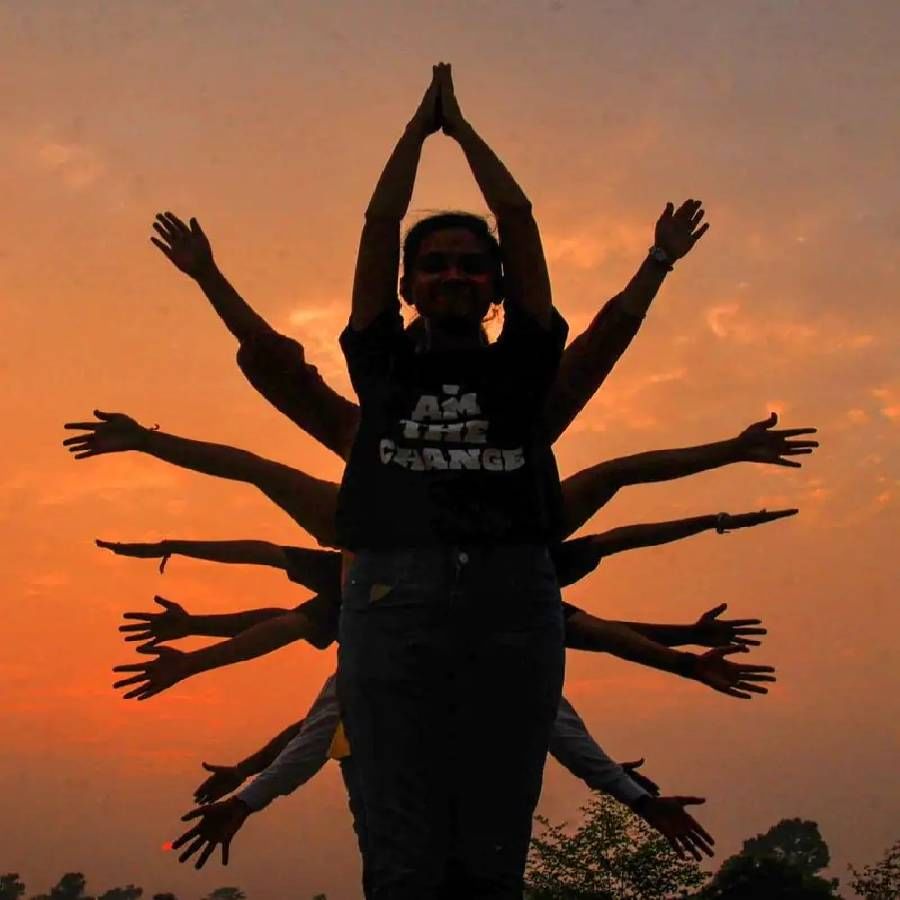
x: 586, y: 632
x: 189, y: 250
x: 526, y: 279
x: 578, y: 557
x: 592, y: 355
x: 588, y: 490
x: 378, y: 259
x: 309, y: 501
x: 171, y: 666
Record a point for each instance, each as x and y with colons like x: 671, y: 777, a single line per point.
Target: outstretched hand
x: 172, y: 623
x: 222, y: 781
x: 156, y: 550
x: 169, y: 667
x: 711, y: 631
x: 186, y: 247
x: 727, y: 522
x: 219, y: 823
x: 683, y: 832
x: 758, y: 443
x: 735, y: 679
x: 113, y: 433
x: 631, y: 770
x: 677, y: 230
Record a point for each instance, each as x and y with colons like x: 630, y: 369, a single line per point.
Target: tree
x: 70, y: 887
x: 778, y: 865
x: 797, y: 841
x: 166, y: 896
x: 754, y: 877
x: 880, y: 881
x: 227, y: 893
x: 612, y: 855
x: 122, y: 893
x: 10, y: 886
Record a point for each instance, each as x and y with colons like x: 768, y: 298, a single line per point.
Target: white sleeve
x: 302, y: 758
x: 572, y: 745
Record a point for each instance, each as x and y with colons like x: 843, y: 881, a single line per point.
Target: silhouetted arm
x: 171, y: 666
x: 378, y: 259
x: 588, y: 490
x: 309, y: 501
x: 188, y: 249
x: 586, y: 632
x: 225, y: 779
x: 526, y: 279
x: 249, y: 552
x: 578, y: 557
x: 592, y: 355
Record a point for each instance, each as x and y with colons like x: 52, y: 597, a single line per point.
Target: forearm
x: 233, y: 624
x: 239, y: 317
x: 600, y: 636
x: 259, y: 553
x: 200, y: 456
x: 572, y: 745
x: 256, y: 762
x: 264, y: 637
x: 630, y: 537
x: 667, y: 635
x: 500, y: 190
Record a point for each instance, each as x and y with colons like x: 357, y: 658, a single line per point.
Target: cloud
x: 729, y: 322
x: 77, y: 165
x: 589, y: 248
x: 888, y: 397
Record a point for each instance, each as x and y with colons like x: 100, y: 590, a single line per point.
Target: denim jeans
x: 450, y: 673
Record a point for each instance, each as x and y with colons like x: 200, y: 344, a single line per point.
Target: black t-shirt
x: 451, y: 446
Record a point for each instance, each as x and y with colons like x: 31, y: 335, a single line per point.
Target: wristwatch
x: 657, y: 254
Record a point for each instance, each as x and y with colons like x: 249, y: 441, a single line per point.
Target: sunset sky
x: 270, y: 122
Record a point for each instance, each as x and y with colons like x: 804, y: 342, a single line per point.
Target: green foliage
x: 880, y: 881
x: 612, y: 855
x: 10, y: 886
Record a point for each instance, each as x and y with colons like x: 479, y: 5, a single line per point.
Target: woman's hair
x: 444, y: 220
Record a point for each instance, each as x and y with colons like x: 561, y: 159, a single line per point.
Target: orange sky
x: 271, y: 126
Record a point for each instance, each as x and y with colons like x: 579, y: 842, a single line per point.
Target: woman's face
x: 452, y: 279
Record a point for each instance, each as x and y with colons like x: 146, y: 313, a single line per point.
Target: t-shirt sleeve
x: 322, y: 611
x: 318, y: 570
x: 369, y: 350
x: 534, y: 349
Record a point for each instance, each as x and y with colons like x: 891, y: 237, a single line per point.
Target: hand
x: 187, y: 248
x: 172, y: 623
x: 683, y: 832
x: 735, y: 679
x: 139, y: 551
x: 711, y: 631
x: 222, y: 781
x: 727, y: 522
x: 112, y: 434
x: 631, y: 771
x: 427, y: 118
x: 757, y: 443
x: 677, y: 229
x: 169, y: 667
x: 219, y: 823
x: 451, y: 116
